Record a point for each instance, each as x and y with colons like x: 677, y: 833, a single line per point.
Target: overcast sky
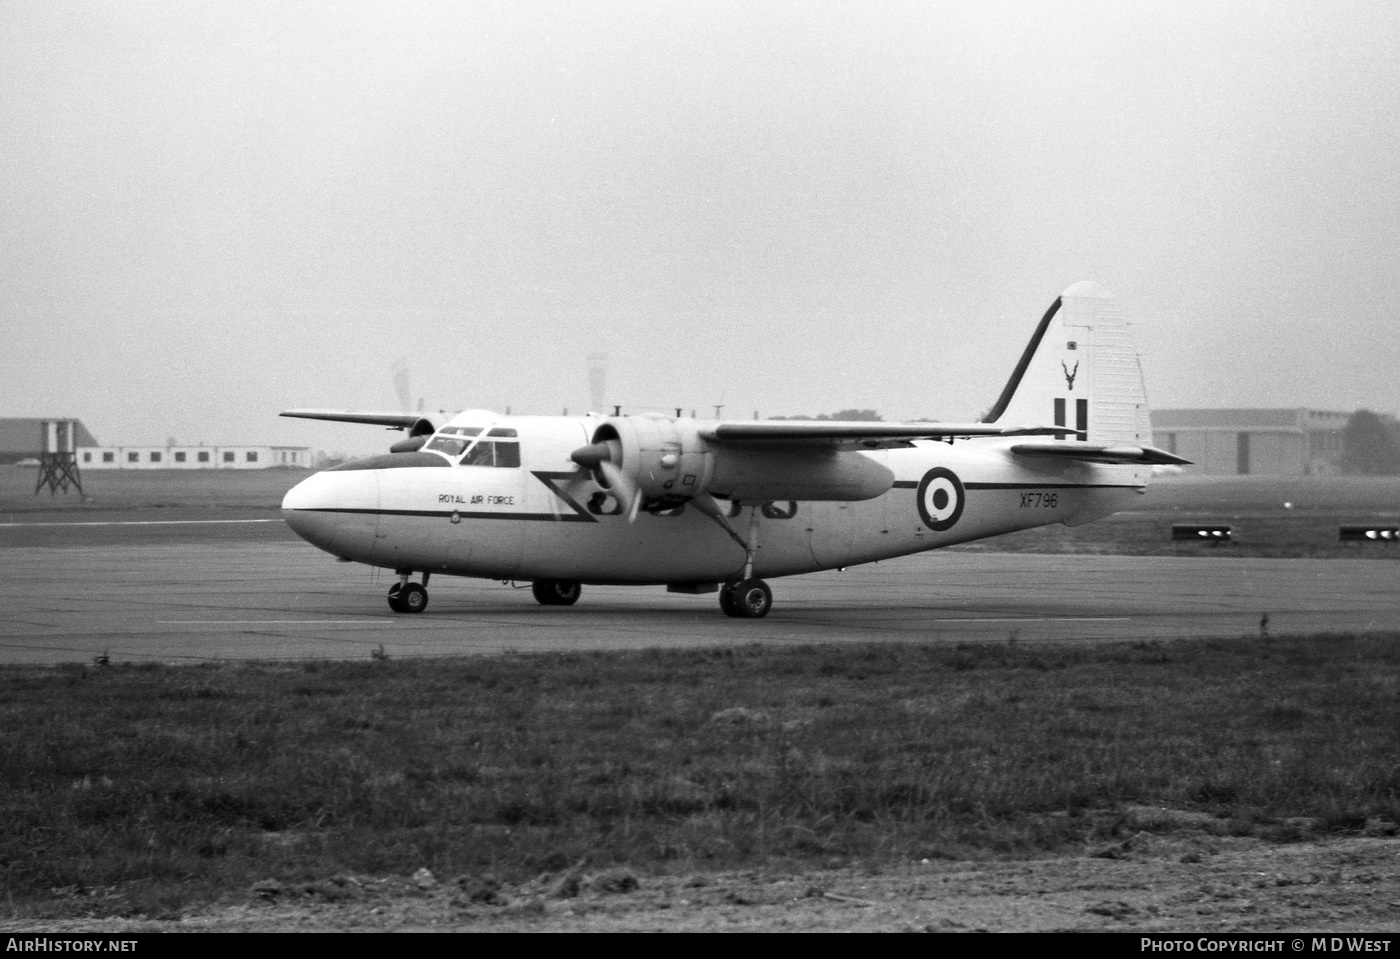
x: 213, y: 212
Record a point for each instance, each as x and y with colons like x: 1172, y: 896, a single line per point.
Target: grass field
x: 148, y: 490
x: 146, y: 789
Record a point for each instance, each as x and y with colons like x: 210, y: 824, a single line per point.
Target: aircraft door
x: 832, y: 531
x: 458, y: 546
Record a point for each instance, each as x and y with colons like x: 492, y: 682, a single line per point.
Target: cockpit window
x: 452, y: 440
x: 493, y: 453
x: 450, y: 445
x: 502, y: 431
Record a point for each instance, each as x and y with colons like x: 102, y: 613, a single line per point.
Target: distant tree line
x: 1371, y: 445
x: 857, y: 416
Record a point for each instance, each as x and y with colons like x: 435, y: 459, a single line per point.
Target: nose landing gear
x: 406, y: 597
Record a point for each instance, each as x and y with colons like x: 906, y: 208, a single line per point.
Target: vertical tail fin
x: 1080, y: 370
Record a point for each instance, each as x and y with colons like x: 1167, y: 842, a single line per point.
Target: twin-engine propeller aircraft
x: 702, y: 506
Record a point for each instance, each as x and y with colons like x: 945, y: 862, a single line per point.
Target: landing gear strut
x: 748, y: 597
x: 406, y: 597
x: 556, y: 592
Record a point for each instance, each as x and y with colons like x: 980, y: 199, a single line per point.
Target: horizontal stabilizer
x: 416, y: 423
x: 1091, y: 453
x: 838, y: 434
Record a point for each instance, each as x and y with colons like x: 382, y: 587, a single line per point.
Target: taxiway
x: 260, y: 595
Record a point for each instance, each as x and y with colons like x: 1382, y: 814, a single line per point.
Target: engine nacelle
x: 664, y: 457
x: 798, y: 474
x: 670, y: 463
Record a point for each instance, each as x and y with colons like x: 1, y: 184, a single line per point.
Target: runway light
x: 1215, y: 535
x: 1374, y: 534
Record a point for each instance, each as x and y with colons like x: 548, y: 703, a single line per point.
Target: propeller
x: 602, y: 459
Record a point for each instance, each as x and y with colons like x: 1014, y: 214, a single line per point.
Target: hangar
x: 1260, y: 442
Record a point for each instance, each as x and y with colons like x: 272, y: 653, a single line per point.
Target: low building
x: 1267, y: 442
x: 192, y: 457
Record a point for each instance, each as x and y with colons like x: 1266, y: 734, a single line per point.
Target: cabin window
x: 203, y: 457
x: 179, y: 457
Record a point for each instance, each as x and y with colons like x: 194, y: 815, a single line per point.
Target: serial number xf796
x: 1040, y: 500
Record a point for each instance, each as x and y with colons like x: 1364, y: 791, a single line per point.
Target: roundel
x: 941, y: 499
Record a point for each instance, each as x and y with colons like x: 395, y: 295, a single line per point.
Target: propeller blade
x: 571, y: 489
x: 623, y: 488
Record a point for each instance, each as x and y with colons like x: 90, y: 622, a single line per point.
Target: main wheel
x: 396, y: 598
x: 556, y: 592
x: 752, y: 598
x: 413, y: 598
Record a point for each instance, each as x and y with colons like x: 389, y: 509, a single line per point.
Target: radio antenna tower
x: 58, y: 463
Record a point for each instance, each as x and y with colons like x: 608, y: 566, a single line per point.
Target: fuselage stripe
x: 463, y: 514
x: 914, y: 484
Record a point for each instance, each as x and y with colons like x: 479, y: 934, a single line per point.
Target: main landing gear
x: 746, y: 599
x: 556, y: 592
x: 406, y: 597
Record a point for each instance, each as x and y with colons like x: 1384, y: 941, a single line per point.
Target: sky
x: 210, y: 213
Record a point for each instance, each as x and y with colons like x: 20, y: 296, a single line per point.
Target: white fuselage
x: 548, y: 519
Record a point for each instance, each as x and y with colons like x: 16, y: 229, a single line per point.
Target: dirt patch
x: 1181, y: 882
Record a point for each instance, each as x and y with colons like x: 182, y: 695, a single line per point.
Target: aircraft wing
x: 1092, y: 453
x: 396, y: 421
x: 841, y: 434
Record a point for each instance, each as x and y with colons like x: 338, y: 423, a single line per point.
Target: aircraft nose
x: 335, y: 510
x: 307, y: 509
x: 319, y: 491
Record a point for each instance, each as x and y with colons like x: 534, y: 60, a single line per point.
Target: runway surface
x: 256, y: 593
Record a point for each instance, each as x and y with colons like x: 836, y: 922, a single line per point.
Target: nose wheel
x: 406, y: 597
x: 748, y: 599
